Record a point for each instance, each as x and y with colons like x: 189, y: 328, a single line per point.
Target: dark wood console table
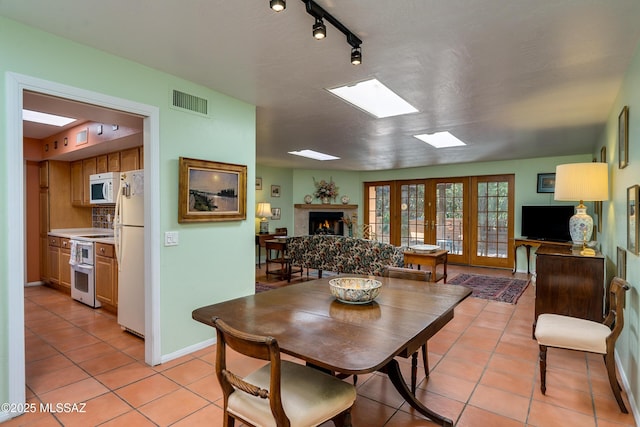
x: 261, y: 240
x: 568, y: 283
x: 528, y: 244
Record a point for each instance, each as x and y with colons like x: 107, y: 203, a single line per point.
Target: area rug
x: 262, y: 287
x: 502, y: 289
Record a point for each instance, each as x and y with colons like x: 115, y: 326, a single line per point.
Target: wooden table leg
x: 392, y: 369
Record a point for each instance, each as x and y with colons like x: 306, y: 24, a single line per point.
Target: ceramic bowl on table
x: 355, y: 290
x: 424, y: 249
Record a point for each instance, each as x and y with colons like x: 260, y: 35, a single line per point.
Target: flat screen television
x: 546, y: 222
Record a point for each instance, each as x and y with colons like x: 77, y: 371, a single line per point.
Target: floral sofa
x: 343, y: 254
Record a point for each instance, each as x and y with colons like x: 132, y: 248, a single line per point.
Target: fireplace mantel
x: 324, y: 207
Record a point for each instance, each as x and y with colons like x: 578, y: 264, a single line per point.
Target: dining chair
x: 281, y: 393
x: 424, y: 276
x: 571, y: 333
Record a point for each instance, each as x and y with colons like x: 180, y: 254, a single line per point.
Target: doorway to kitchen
x: 16, y: 86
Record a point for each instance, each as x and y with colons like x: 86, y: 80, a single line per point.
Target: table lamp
x: 263, y: 211
x: 583, y: 182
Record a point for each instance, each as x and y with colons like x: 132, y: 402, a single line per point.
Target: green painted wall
x: 614, y: 233
x: 283, y: 178
x: 213, y: 261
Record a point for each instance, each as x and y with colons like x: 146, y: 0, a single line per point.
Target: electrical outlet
x: 171, y: 238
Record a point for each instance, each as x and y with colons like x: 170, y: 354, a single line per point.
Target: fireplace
x: 326, y: 223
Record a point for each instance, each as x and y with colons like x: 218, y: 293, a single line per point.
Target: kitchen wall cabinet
x: 77, y: 183
x: 113, y: 162
x: 43, y: 169
x: 106, y: 274
x: 130, y: 159
x: 102, y: 164
x: 89, y: 167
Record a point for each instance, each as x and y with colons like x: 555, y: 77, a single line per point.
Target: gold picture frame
x: 621, y: 263
x: 633, y: 193
x: 623, y: 138
x: 211, y: 191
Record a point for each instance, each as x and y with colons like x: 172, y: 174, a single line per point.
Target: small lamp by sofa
x: 583, y: 182
x: 263, y: 211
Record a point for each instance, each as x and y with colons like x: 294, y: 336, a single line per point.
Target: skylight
x: 314, y: 155
x: 45, y: 118
x: 440, y: 139
x: 374, y: 98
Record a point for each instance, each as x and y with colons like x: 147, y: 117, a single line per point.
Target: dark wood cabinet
x: 568, y: 283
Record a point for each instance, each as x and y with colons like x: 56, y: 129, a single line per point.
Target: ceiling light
x: 374, y: 98
x: 44, y: 118
x: 356, y: 56
x: 440, y: 139
x: 319, y: 30
x: 314, y: 155
x: 278, y: 5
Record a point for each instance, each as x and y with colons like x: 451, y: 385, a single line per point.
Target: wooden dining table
x: 310, y: 324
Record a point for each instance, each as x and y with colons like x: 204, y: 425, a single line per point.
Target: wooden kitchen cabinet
x: 102, y: 164
x: 54, y: 260
x: 106, y: 275
x: 64, y: 267
x: 89, y: 167
x: 130, y: 159
x: 77, y: 183
x: 113, y: 162
x: 568, y: 283
x: 43, y: 169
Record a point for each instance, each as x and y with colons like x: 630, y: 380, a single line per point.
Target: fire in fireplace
x: 326, y: 223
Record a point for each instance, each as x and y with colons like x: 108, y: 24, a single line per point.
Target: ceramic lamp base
x: 580, y: 226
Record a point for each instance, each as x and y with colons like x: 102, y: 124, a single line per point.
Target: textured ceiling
x: 514, y: 79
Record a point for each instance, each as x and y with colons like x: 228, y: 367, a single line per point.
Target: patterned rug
x: 262, y: 287
x: 502, y: 289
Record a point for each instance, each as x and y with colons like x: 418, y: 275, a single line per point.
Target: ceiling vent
x: 192, y: 103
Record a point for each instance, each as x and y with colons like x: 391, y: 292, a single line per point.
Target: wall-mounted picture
x: 211, y: 191
x: 275, y: 191
x: 546, y: 182
x: 632, y: 218
x: 621, y: 263
x: 623, y: 138
x: 275, y: 213
x: 258, y: 183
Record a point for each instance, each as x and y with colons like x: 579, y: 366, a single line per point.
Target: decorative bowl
x: 355, y: 290
x: 424, y: 249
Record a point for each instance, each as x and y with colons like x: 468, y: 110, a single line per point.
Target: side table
x: 431, y: 260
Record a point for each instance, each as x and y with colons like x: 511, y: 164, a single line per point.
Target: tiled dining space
x: 484, y: 372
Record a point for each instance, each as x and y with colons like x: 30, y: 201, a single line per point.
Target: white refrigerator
x: 129, y: 243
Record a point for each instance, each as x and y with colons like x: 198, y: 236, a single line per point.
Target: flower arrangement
x: 325, y: 189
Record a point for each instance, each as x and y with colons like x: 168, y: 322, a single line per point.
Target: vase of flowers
x: 349, y: 223
x: 325, y: 191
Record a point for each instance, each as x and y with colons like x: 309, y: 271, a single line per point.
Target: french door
x: 471, y: 217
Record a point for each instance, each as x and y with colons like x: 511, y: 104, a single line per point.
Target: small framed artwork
x: 621, y: 263
x: 275, y: 213
x: 546, y: 182
x: 632, y: 218
x: 623, y: 138
x: 275, y: 191
x: 211, y: 191
x: 258, y: 183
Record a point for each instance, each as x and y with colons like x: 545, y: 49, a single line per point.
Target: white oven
x: 83, y: 281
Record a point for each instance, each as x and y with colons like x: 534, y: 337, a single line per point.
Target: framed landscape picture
x: 621, y: 263
x: 623, y: 138
x: 211, y: 191
x: 546, y: 182
x: 632, y: 219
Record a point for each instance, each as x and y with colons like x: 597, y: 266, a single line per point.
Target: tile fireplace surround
x: 301, y: 215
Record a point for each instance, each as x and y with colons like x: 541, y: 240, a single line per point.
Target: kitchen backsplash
x: 102, y: 217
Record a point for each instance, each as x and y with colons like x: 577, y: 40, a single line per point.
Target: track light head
x: 356, y: 56
x: 319, y: 30
x: 278, y: 5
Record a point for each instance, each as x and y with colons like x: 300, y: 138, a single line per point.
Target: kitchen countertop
x: 78, y: 233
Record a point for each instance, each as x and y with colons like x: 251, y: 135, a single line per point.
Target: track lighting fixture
x: 356, y: 55
x: 319, y: 30
x: 278, y: 5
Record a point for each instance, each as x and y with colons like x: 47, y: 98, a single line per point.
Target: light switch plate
x: 171, y: 238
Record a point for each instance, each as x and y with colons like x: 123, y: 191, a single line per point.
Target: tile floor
x: 484, y: 372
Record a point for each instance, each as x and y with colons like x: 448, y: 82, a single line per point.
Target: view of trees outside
x: 412, y: 214
x: 493, y: 219
x: 379, y: 213
x: 449, y: 216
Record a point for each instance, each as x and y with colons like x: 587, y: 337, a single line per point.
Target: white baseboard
x: 627, y: 389
x: 38, y: 283
x: 187, y: 350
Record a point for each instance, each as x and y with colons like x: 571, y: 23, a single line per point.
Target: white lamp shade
x: 582, y: 182
x: 263, y: 210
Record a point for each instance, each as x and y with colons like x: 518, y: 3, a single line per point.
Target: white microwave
x: 103, y: 188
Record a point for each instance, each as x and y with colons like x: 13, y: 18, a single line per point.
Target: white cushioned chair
x: 281, y: 393
x: 554, y: 330
x: 423, y: 276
